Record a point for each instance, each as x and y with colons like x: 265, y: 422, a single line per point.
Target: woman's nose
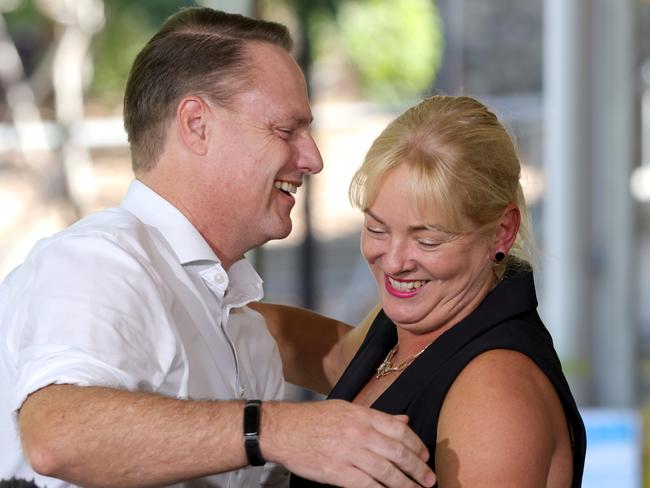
x: 396, y: 259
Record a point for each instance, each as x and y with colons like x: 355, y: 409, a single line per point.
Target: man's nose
x: 309, y: 158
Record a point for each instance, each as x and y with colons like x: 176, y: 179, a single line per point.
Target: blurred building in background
x: 571, y: 79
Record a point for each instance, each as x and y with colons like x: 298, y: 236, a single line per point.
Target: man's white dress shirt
x: 134, y: 298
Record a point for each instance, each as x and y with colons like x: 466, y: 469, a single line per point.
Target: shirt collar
x: 153, y: 210
x: 245, y: 283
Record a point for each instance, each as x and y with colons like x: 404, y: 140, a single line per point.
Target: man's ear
x: 506, y: 232
x: 192, y: 117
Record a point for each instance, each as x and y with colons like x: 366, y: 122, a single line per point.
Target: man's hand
x: 343, y: 444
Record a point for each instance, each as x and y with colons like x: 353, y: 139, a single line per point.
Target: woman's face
x: 428, y: 279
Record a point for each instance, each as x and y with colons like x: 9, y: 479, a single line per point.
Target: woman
x: 458, y: 345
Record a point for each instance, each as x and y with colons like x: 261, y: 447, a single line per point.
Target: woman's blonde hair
x: 462, y: 162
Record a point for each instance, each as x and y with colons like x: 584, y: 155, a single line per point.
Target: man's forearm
x: 315, y: 349
x: 94, y: 436
x: 309, y: 344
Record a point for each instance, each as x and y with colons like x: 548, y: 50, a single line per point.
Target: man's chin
x: 281, y: 232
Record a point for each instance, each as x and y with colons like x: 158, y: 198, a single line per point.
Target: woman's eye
x: 429, y: 244
x: 374, y: 230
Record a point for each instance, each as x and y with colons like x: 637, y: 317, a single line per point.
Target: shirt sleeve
x: 87, y: 310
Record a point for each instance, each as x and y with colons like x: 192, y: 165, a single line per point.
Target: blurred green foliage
x: 129, y: 25
x: 32, y: 31
x: 395, y: 45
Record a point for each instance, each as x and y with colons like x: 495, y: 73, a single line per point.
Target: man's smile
x: 285, y: 186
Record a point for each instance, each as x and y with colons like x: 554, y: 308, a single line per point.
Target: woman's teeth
x: 284, y: 186
x: 405, y: 285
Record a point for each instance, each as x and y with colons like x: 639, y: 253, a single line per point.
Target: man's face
x: 263, y: 148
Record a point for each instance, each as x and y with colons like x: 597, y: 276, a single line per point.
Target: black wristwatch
x: 252, y: 414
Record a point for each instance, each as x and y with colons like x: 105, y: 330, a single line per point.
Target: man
x: 128, y: 348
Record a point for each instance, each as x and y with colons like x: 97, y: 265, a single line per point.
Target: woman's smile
x: 403, y: 288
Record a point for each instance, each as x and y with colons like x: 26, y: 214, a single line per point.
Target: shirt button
x: 220, y: 279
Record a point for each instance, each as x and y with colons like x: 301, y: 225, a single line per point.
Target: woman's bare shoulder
x: 500, y: 424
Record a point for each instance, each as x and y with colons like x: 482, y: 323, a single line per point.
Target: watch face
x: 252, y: 417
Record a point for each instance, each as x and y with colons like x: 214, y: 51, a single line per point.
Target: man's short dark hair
x: 197, y: 50
x: 17, y: 483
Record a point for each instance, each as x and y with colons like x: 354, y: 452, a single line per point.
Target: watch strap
x: 252, y: 414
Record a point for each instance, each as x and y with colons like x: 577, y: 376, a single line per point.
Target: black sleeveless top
x: 506, y: 319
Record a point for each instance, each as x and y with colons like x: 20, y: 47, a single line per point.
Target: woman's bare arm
x: 502, y: 425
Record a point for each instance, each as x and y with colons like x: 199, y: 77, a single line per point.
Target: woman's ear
x: 506, y: 232
x: 192, y: 118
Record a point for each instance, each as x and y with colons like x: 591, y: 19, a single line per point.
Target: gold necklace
x: 386, y: 367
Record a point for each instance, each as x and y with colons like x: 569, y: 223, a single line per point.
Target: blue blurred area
x: 614, y: 448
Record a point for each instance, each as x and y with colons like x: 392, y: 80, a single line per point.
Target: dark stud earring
x: 499, y: 256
